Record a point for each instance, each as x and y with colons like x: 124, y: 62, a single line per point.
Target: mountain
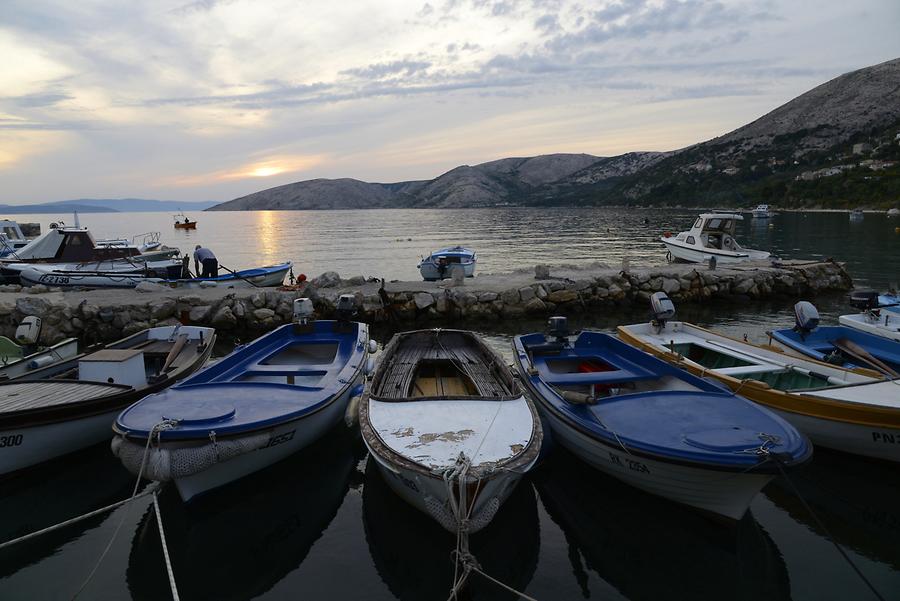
x: 106, y: 205
x: 837, y: 145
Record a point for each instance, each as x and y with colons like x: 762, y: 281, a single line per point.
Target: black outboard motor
x: 864, y: 300
x: 662, y: 307
x: 558, y: 327
x: 806, y: 318
x: 344, y: 312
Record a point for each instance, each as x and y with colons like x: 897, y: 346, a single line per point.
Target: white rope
x: 162, y: 539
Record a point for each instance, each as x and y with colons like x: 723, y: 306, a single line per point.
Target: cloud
x: 268, y: 167
x: 404, y: 68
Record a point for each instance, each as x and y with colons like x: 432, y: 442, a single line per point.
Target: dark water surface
x: 322, y: 525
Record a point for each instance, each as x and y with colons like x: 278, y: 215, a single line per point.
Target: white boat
x: 857, y: 215
x: 895, y: 212
x: 72, y: 404
x: 711, y: 236
x: 11, y: 237
x: 441, y: 263
x: 855, y: 411
x: 448, y: 425
x: 761, y: 212
x: 22, y: 356
x: 874, y: 318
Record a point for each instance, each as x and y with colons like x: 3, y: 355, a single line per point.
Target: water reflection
x: 412, y: 553
x: 245, y: 538
x: 55, y: 492
x: 648, y: 548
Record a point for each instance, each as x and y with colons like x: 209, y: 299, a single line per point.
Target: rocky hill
x: 836, y: 145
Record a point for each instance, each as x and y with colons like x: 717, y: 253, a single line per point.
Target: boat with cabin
x: 855, y: 411
x: 251, y: 409
x: 652, y: 425
x: 441, y: 263
x: 761, y: 212
x: 857, y: 215
x: 711, y: 237
x: 72, y: 404
x: 449, y: 426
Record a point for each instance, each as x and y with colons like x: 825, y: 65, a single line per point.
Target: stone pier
x: 105, y: 315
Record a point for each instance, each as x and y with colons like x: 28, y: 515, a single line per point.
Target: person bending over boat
x: 204, y: 256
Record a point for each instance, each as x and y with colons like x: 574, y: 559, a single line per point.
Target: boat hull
x: 887, y: 326
x: 684, y: 254
x: 430, y: 272
x: 284, y: 440
x: 186, y: 226
x: 58, y: 352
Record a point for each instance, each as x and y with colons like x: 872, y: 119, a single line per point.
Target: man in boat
x: 186, y: 220
x: 204, y: 256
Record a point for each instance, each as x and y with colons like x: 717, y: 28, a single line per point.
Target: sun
x: 265, y: 171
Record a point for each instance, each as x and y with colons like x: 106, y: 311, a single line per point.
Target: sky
x: 214, y: 99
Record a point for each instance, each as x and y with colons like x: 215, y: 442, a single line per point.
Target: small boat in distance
x: 183, y: 223
x: 441, y: 263
x: 711, y: 236
x: 857, y: 215
x: 761, y: 212
x: 449, y: 426
x: 653, y: 425
x: 260, y: 404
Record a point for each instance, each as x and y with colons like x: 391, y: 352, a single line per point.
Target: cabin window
x: 690, y: 240
x: 10, y: 233
x: 699, y: 222
x: 714, y: 224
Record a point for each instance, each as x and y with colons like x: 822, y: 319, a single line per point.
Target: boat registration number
x: 13, y: 440
x: 281, y: 438
x: 885, y: 437
x: 629, y: 463
x: 54, y: 279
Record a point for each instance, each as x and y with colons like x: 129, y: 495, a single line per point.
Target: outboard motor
x: 662, y: 307
x: 303, y: 315
x: 864, y: 300
x: 558, y: 327
x: 806, y: 318
x: 344, y: 312
x: 28, y: 333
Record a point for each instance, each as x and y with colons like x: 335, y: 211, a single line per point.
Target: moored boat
x: 839, y: 345
x: 71, y: 404
x: 855, y: 411
x: 19, y: 357
x: 183, y: 223
x: 652, y: 425
x: 255, y: 407
x: 711, y: 237
x: 879, y: 314
x: 441, y: 263
x: 761, y: 212
x: 448, y: 425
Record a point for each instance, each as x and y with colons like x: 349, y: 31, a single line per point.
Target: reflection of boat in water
x: 855, y: 498
x: 239, y: 544
x: 412, y: 553
x: 650, y: 549
x: 53, y: 493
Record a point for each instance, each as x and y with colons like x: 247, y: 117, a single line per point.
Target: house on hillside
x: 862, y: 148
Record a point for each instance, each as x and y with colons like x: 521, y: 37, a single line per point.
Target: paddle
x: 176, y: 348
x: 856, y: 352
x: 239, y: 276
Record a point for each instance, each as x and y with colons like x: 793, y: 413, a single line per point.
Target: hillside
x: 834, y: 146
x: 106, y: 205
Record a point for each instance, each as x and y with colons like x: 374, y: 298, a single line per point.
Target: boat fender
x: 351, y: 415
x: 370, y: 366
x: 40, y: 362
x: 578, y: 398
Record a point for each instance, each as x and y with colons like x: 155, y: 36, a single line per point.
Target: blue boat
x: 258, y: 405
x: 838, y: 345
x: 441, y: 263
x: 653, y: 425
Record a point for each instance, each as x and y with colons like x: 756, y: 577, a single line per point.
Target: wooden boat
x: 711, y: 236
x: 18, y: 358
x: 839, y: 345
x: 72, y: 404
x: 258, y: 405
x: 856, y: 411
x: 183, y: 223
x: 449, y: 426
x: 441, y: 263
x: 880, y: 314
x: 653, y: 425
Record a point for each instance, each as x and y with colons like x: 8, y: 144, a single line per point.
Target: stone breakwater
x: 105, y: 315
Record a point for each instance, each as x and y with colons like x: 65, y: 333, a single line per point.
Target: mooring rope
x: 165, y: 548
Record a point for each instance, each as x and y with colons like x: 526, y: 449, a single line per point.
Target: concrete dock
x: 106, y: 315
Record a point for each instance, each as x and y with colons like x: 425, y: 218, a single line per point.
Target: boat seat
x: 748, y: 369
x: 632, y: 373
x: 283, y: 370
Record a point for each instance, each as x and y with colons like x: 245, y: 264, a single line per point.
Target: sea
x: 323, y: 524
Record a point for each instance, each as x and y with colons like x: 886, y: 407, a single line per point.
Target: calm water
x: 323, y: 525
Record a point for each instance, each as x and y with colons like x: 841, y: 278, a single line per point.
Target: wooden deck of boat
x: 21, y: 396
x: 464, y: 353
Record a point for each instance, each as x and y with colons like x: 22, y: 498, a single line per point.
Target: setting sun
x: 265, y: 171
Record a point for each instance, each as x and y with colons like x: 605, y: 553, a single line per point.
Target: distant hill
x: 837, y: 146
x: 106, y: 205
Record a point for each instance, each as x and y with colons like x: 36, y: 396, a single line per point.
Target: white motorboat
x: 761, y: 212
x: 72, y: 404
x: 855, y: 411
x: 11, y: 237
x: 875, y: 317
x: 441, y: 263
x: 857, y: 215
x: 448, y: 425
x: 711, y: 236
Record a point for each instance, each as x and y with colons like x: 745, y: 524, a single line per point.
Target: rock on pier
x: 105, y: 315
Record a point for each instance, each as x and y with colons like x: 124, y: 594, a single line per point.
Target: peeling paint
x: 458, y: 436
x: 516, y: 448
x: 403, y: 432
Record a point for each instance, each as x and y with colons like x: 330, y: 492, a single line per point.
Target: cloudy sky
x: 213, y: 99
